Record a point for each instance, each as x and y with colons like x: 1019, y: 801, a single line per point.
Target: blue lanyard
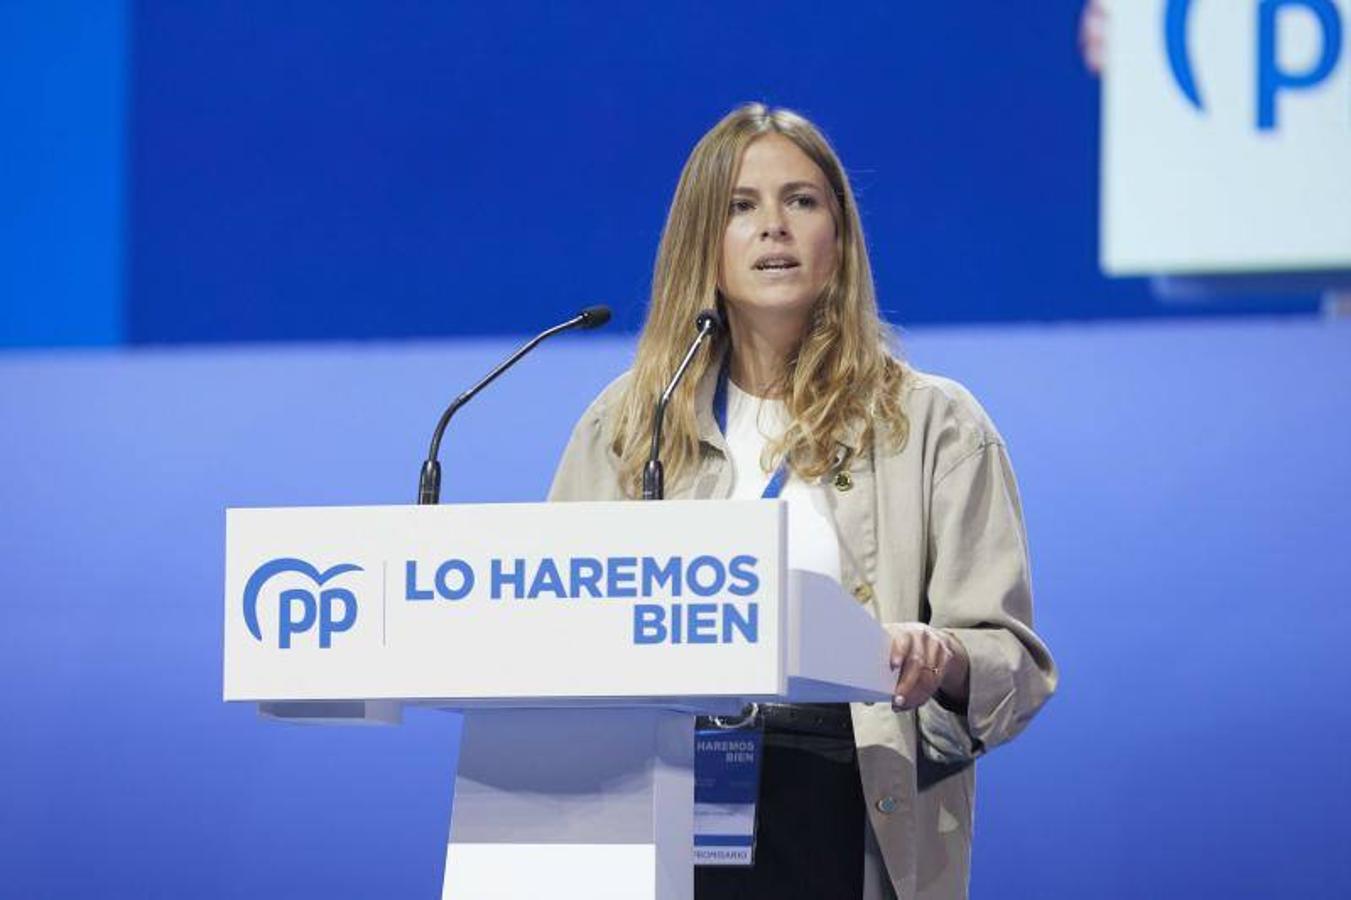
x: 780, y: 476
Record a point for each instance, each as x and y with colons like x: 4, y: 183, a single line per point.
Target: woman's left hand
x: 927, y: 660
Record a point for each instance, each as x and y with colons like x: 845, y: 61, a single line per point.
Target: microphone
x: 709, y: 324
x: 429, y: 483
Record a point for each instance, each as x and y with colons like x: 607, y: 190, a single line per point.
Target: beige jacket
x: 932, y: 533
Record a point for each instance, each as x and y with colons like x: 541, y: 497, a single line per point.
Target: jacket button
x: 843, y: 481
x: 863, y: 592
x: 886, y: 805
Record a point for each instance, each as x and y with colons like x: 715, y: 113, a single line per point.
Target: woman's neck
x: 761, y: 348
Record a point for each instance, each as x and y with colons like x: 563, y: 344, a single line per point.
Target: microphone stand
x: 654, y: 477
x: 429, y: 481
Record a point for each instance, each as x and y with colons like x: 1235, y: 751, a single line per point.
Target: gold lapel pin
x: 843, y: 481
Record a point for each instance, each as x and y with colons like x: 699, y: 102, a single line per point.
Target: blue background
x: 204, y: 172
x: 1187, y: 503
x: 242, y: 206
x: 63, y: 83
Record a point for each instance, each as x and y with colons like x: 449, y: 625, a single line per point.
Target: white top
x: 752, y: 422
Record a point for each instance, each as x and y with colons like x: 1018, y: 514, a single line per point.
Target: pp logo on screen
x: 1270, y: 80
x: 333, y: 610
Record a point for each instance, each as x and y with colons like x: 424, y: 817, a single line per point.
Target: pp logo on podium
x: 333, y: 610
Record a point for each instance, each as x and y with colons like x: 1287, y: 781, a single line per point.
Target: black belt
x: 823, y: 719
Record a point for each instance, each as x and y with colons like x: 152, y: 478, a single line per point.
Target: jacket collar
x: 852, y: 439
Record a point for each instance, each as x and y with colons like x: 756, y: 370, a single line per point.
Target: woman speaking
x: 897, y: 483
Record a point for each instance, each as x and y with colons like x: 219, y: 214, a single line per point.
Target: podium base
x: 570, y: 803
x: 608, y: 871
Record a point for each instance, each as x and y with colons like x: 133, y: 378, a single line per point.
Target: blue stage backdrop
x: 1188, y: 508
x: 63, y: 86
x: 257, y: 170
x: 356, y: 169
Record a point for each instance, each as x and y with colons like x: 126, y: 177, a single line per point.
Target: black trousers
x: 809, y: 826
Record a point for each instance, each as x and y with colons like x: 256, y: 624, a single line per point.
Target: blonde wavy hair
x: 843, y: 382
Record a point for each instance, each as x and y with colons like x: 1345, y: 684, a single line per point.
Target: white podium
x: 579, y: 640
